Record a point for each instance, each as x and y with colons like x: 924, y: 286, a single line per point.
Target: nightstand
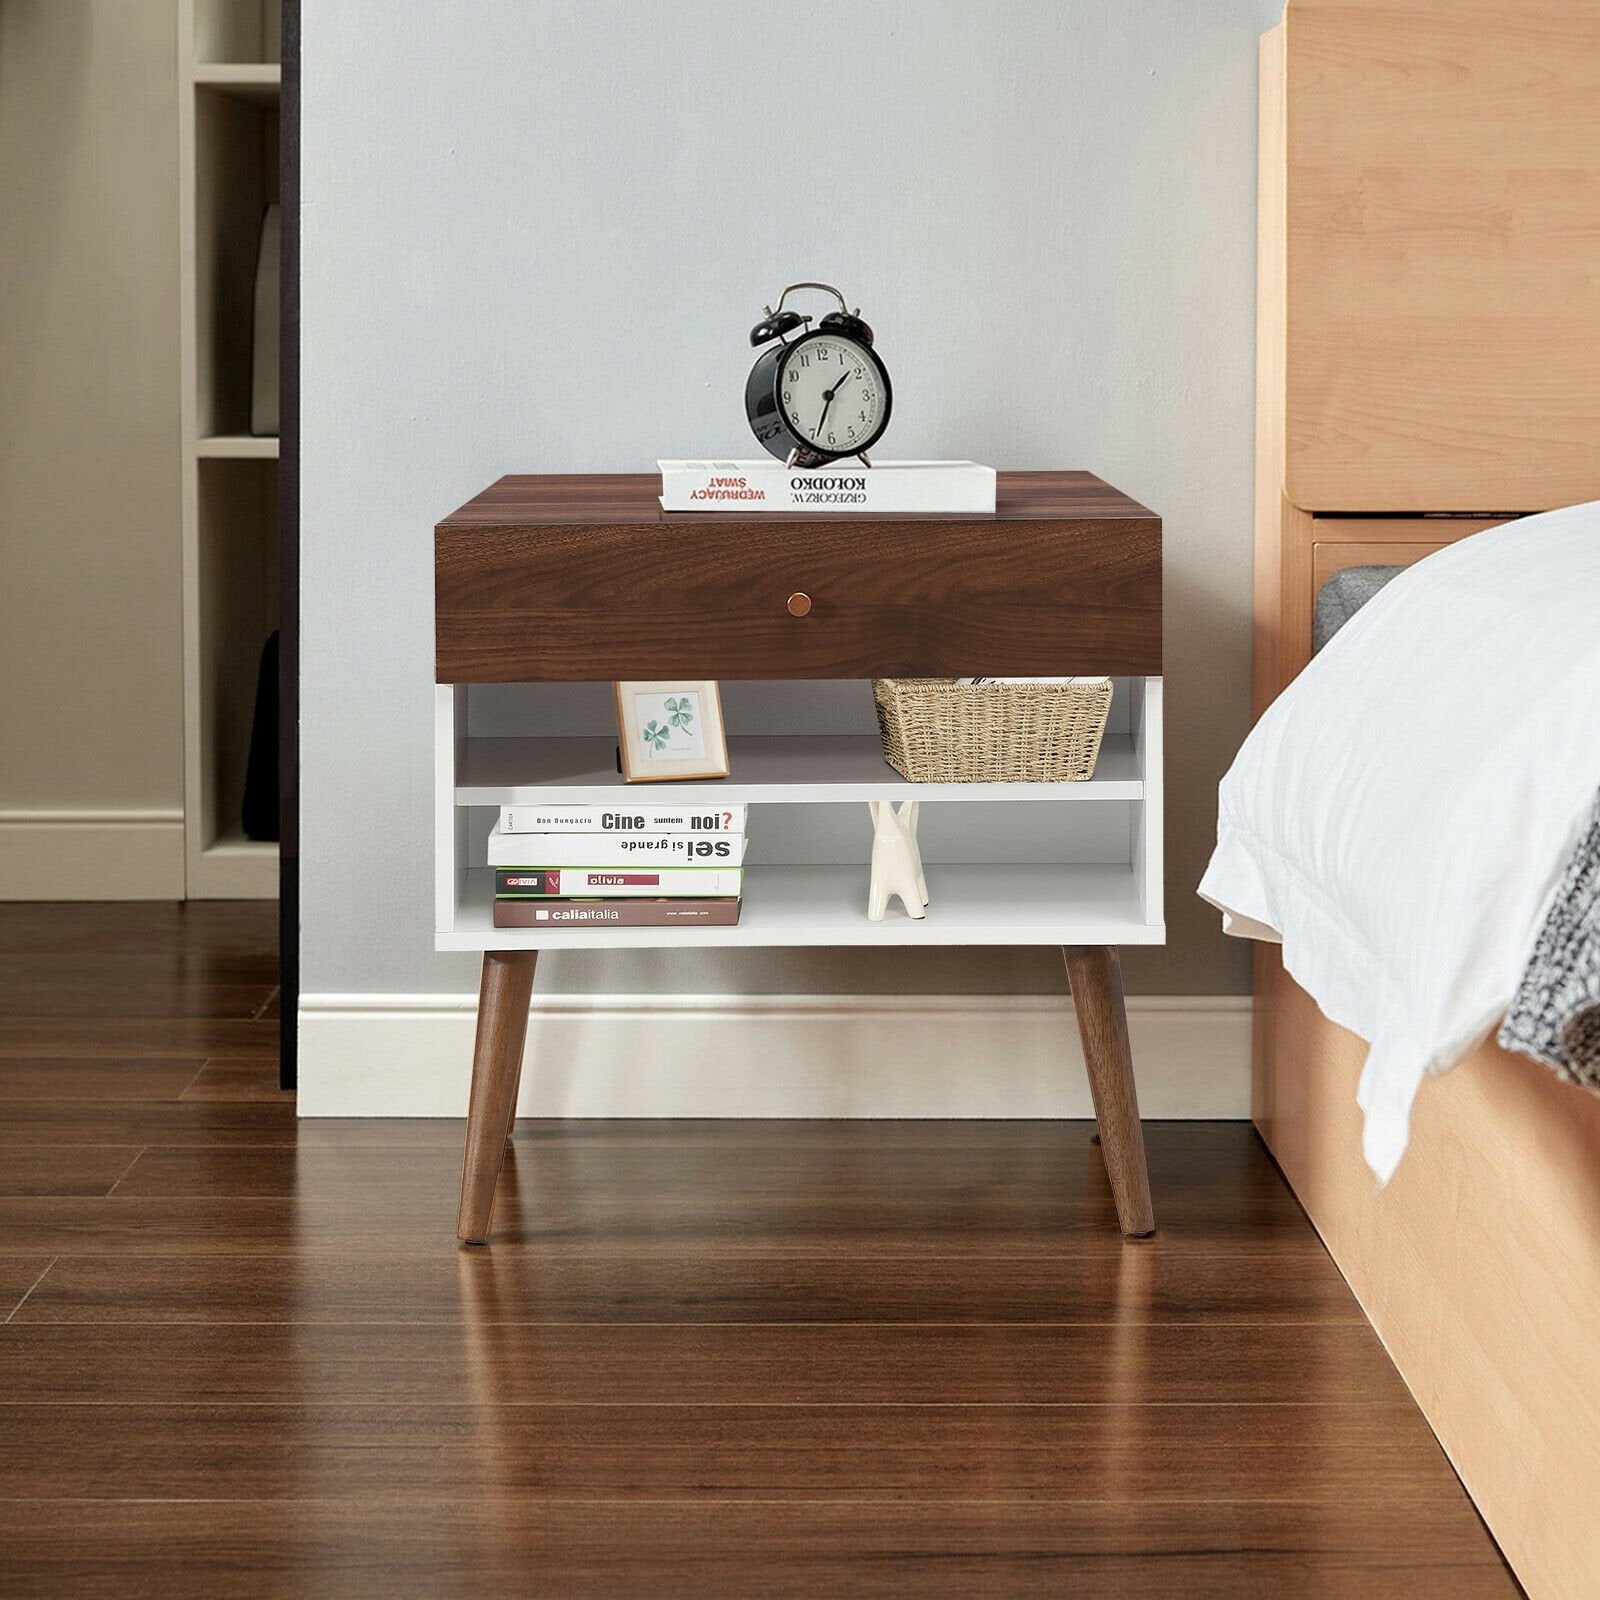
x: 561, y: 580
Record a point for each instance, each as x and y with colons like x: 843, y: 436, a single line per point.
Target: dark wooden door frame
x: 289, y: 551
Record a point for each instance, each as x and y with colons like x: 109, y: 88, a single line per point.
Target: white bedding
x: 1400, y: 816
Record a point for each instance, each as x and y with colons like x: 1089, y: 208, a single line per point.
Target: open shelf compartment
x: 244, y: 31
x: 827, y: 905
x: 1061, y: 863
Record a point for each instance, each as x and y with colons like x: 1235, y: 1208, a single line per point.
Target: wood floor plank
x: 1229, y: 1154
x: 1308, y: 1454
x: 895, y: 1176
x: 155, y: 968
x: 142, y: 1037
x: 290, y: 1172
x: 518, y: 1363
x: 1230, y: 1147
x: 194, y: 932
x: 668, y: 1551
x: 121, y: 997
x: 18, y: 1276
x: 136, y: 1225
x: 64, y: 1169
x: 973, y: 1198
x: 212, y: 1124
x: 239, y: 1081
x: 70, y: 1081
x: 721, y: 1192
x: 1135, y: 1285
x: 342, y: 1186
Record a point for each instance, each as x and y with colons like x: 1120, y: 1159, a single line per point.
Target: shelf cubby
x: 1007, y: 863
x: 229, y: 31
x: 235, y: 179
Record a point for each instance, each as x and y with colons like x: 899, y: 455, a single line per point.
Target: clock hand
x: 827, y: 398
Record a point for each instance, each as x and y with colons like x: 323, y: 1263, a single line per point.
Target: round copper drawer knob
x: 799, y: 603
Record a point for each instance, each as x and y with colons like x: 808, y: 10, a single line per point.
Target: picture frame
x: 670, y: 729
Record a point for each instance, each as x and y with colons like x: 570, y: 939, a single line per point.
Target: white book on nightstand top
x: 844, y: 485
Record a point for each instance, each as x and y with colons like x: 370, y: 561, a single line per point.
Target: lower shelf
x: 813, y: 905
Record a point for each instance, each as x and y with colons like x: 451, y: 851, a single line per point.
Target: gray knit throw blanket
x: 1555, y: 1017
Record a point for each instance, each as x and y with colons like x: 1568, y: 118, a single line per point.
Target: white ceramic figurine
x: 896, y: 861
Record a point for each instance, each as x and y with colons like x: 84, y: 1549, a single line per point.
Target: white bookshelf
x: 1007, y: 864
x: 228, y: 85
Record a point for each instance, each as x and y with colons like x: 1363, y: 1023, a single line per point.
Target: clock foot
x: 861, y: 456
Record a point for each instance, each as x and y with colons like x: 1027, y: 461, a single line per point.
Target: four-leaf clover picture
x: 670, y: 730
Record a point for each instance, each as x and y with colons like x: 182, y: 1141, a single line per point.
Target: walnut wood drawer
x: 586, y: 579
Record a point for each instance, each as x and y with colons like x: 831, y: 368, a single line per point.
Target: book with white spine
x: 843, y: 485
x: 614, y: 849
x: 641, y: 817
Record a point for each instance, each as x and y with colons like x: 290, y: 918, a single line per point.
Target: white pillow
x: 1401, y: 814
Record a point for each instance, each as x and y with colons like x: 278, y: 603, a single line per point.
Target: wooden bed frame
x: 1429, y: 306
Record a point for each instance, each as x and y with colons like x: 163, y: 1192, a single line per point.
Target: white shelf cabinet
x: 1007, y: 864
x: 228, y: 84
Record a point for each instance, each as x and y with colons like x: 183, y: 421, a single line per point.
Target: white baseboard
x: 376, y: 1055
x: 91, y: 855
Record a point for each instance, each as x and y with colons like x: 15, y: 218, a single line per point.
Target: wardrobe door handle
x: 799, y: 603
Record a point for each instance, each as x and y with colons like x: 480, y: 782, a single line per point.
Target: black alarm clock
x: 817, y: 393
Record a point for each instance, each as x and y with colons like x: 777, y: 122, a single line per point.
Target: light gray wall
x: 535, y: 237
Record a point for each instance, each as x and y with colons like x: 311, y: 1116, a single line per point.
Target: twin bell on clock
x: 816, y: 393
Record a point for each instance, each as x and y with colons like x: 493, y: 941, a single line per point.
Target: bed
x: 1415, y: 818
x: 1428, y: 308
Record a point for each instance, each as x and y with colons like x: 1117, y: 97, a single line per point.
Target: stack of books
x: 617, y: 866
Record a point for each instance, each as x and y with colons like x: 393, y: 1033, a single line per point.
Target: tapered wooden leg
x: 516, y: 1089
x: 1095, y: 976
x: 503, y: 998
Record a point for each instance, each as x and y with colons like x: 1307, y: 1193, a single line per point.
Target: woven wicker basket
x: 936, y: 730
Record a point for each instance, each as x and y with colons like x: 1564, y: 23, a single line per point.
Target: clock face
x: 832, y: 393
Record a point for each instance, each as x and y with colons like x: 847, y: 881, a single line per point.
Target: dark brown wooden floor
x: 245, y: 1356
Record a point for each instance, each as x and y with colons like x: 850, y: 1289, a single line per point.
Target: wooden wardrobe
x: 1429, y: 365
